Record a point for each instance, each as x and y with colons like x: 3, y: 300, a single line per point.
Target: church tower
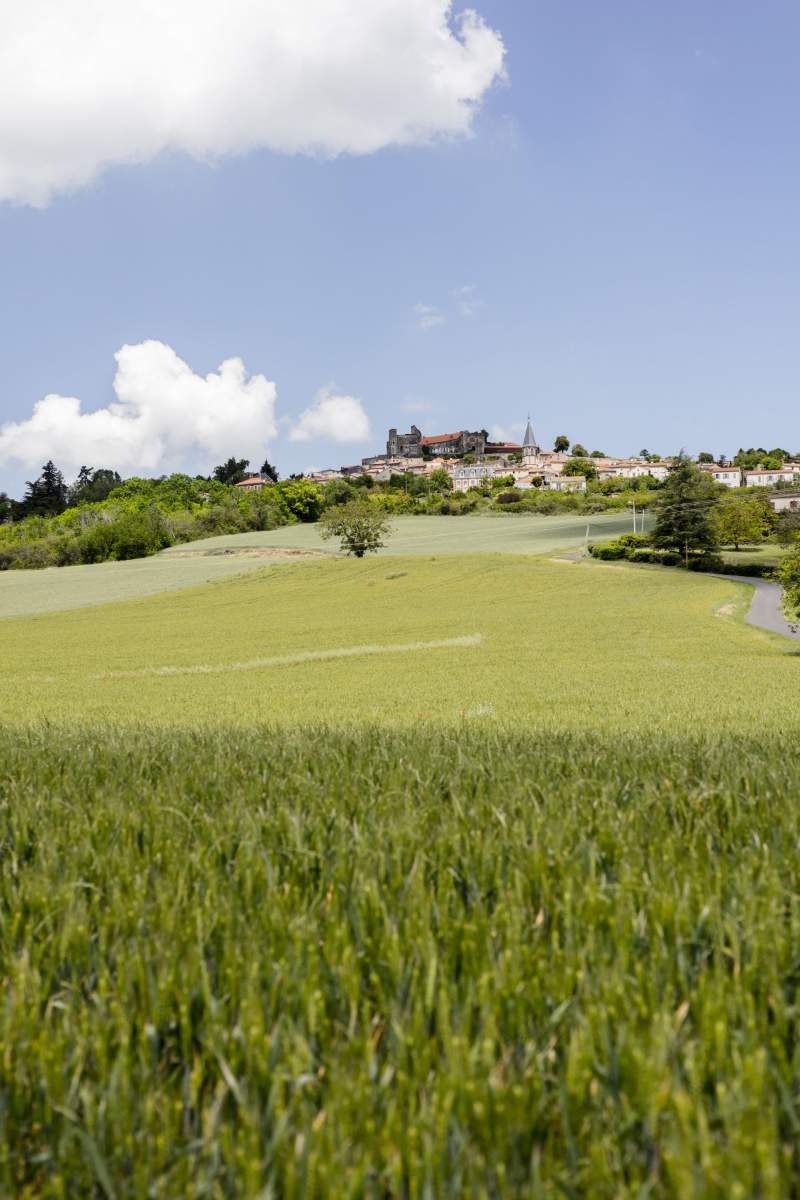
x: 530, y: 449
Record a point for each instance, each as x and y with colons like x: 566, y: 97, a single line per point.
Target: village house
x: 631, y: 468
x: 730, y: 476
x: 785, y: 502
x: 255, y: 483
x: 764, y: 477
x: 566, y: 483
x: 470, y: 476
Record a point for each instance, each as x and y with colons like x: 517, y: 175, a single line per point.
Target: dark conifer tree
x: 232, y: 471
x: 684, y: 509
x: 47, y: 495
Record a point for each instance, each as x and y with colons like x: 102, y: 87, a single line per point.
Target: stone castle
x: 415, y: 445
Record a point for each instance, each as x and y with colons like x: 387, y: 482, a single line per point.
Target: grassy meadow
x: 470, y: 534
x: 422, y: 875
x: 56, y: 589
x: 549, y: 645
x: 399, y: 964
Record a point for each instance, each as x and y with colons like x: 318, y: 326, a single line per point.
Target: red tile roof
x: 441, y: 437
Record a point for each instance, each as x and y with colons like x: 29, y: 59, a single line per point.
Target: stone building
x: 404, y: 445
x: 451, y: 445
x: 466, y: 477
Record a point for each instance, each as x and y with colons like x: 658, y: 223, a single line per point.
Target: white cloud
x: 428, y: 316
x: 467, y: 300
x: 333, y: 417
x: 86, y: 84
x: 506, y: 433
x: 164, y: 416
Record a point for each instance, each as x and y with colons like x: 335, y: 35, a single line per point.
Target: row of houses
x: 527, y: 463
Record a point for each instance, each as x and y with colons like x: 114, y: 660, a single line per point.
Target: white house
x: 566, y: 483
x: 785, y: 501
x: 626, y: 468
x: 470, y: 476
x: 763, y: 477
x: 729, y: 476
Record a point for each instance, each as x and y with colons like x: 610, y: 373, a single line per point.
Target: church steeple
x: 530, y: 447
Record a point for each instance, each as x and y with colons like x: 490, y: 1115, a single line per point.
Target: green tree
x: 360, y: 526
x: 684, y: 510
x: 579, y: 451
x: 339, y: 491
x: 268, y: 471
x: 789, y: 576
x: 441, y: 481
x: 705, y: 457
x: 771, y: 460
x: 787, y: 529
x: 598, y: 454
x: 5, y: 508
x: 740, y: 519
x: 561, y: 444
x: 303, y: 499
x: 232, y: 471
x: 91, y: 487
x: 580, y: 466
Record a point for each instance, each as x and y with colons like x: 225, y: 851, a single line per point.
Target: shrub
x: 608, y: 551
x: 706, y: 562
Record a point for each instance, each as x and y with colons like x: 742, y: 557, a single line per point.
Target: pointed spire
x: 529, y: 439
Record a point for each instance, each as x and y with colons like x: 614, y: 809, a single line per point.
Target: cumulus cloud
x: 164, y: 416
x: 428, y: 316
x: 467, y: 300
x: 333, y: 417
x: 86, y: 84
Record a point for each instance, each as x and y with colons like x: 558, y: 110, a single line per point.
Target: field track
x: 766, y: 611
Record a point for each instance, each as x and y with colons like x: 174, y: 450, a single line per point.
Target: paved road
x: 766, y: 610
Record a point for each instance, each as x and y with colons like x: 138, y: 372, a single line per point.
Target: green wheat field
x: 426, y: 875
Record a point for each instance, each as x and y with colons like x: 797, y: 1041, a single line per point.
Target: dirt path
x: 766, y: 610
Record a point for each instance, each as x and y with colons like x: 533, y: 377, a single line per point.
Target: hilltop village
x: 472, y: 461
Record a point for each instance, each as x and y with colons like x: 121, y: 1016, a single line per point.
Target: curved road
x: 766, y: 610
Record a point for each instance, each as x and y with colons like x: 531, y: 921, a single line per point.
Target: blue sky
x: 624, y: 214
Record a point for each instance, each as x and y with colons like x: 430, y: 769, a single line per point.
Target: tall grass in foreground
x: 398, y: 965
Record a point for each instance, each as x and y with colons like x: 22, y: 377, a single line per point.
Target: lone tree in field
x: 360, y: 526
x: 685, y: 510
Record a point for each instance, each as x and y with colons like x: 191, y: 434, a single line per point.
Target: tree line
x: 50, y: 495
